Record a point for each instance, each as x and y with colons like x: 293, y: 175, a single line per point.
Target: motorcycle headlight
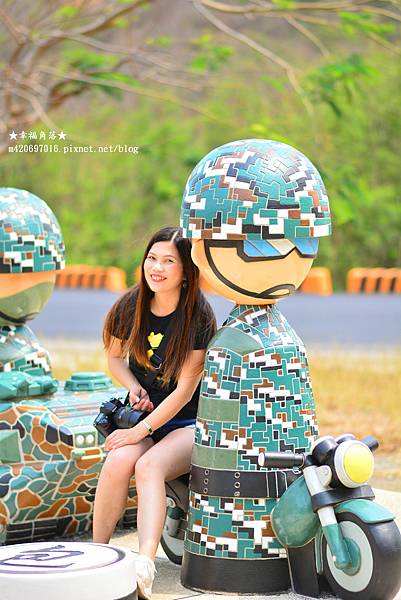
x: 353, y: 463
x: 85, y: 440
x: 90, y: 439
x: 80, y: 440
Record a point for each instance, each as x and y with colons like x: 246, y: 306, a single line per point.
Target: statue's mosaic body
x: 254, y: 210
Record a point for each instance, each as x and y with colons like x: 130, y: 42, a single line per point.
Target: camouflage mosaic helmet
x: 255, y: 190
x: 30, y: 236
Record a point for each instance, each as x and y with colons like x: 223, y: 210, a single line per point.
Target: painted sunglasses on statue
x: 254, y: 250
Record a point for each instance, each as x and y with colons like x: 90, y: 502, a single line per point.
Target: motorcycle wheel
x: 379, y: 575
x: 173, y: 545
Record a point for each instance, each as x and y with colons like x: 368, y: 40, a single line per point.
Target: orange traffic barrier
x: 137, y: 276
x: 116, y: 279
x: 391, y: 282
x: 356, y: 280
x: 86, y: 276
x: 371, y: 281
x: 318, y: 281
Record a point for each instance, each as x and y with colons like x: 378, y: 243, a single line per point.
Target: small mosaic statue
x: 31, y: 250
x: 255, y: 210
x: 50, y: 452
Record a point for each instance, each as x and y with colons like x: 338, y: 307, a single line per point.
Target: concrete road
x: 370, y: 322
x: 167, y: 583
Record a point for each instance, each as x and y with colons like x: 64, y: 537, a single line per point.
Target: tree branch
x: 384, y: 43
x: 311, y: 36
x: 104, y: 22
x: 318, y: 21
x: 381, y: 11
x: 79, y: 77
x: 269, y: 8
x: 15, y: 31
x: 133, y: 54
x: 290, y: 71
x: 98, y: 25
x: 38, y: 109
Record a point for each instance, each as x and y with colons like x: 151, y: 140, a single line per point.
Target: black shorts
x: 165, y: 429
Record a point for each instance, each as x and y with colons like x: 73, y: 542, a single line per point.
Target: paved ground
x: 370, y: 322
x: 167, y: 584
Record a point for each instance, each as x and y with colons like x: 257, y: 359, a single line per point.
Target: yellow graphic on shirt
x: 154, y: 341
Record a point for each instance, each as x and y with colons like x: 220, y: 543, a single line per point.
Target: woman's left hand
x: 123, y: 437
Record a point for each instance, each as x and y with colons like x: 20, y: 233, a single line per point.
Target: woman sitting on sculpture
x: 167, y: 300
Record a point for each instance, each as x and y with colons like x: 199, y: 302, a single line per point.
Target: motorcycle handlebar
x: 283, y: 460
x: 288, y: 460
x: 371, y: 442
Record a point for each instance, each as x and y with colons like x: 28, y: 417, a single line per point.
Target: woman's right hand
x: 139, y: 399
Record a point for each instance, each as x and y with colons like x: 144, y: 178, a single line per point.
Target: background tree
x: 54, y: 51
x: 179, y: 78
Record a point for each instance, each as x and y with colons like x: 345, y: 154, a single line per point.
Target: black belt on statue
x: 241, y: 484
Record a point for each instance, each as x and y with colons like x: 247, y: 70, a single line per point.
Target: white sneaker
x: 145, y: 574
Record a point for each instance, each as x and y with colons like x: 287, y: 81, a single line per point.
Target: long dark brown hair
x: 128, y: 318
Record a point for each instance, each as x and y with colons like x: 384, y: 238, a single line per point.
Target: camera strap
x: 157, y: 358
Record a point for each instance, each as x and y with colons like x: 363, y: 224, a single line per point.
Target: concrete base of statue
x: 219, y: 575
x: 67, y: 571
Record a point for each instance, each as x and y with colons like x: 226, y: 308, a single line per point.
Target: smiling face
x: 249, y: 281
x: 163, y: 267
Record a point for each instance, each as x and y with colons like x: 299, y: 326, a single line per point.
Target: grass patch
x: 359, y: 393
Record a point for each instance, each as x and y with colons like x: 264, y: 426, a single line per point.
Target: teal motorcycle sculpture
x: 332, y: 530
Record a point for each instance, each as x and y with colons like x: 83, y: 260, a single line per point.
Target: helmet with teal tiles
x: 30, y: 236
x: 255, y: 190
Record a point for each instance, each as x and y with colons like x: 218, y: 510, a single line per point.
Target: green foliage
x: 108, y: 79
x: 210, y: 56
x: 79, y: 57
x: 109, y: 204
x: 122, y: 78
x: 359, y: 22
x: 330, y: 82
x: 278, y: 83
x: 163, y: 41
x: 67, y: 12
x: 284, y: 4
x: 121, y: 23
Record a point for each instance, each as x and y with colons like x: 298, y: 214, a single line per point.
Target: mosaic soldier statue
x: 31, y: 250
x: 254, y: 210
x: 50, y: 452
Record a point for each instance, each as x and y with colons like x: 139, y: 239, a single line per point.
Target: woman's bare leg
x: 112, y: 488
x: 168, y: 459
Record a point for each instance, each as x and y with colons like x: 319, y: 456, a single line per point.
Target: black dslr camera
x: 115, y: 414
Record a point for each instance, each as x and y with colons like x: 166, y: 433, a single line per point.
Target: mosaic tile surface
x: 231, y: 528
x: 20, y: 350
x: 255, y: 397
x: 255, y: 189
x: 30, y: 236
x: 50, y: 460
